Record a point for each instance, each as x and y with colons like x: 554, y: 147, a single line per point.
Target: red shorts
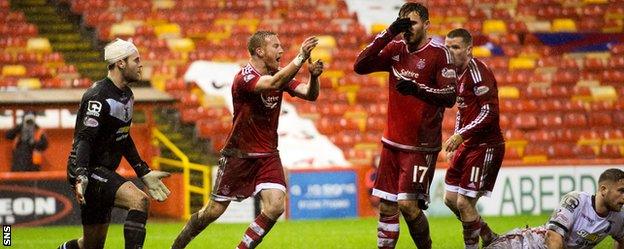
x: 404, y: 175
x: 473, y: 170
x: 239, y: 178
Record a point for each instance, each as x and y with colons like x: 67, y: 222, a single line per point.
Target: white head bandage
x: 118, y: 50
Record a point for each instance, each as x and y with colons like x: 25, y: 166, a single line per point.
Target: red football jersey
x: 413, y: 123
x: 477, y: 101
x: 256, y: 116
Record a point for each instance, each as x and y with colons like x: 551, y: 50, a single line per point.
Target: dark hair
x: 463, y: 33
x: 410, y: 7
x: 257, y: 40
x: 612, y: 175
x: 112, y: 65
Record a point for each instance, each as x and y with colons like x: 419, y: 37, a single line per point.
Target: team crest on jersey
x: 421, y: 64
x: 94, y: 107
x: 248, y: 77
x: 480, y: 90
x: 226, y: 189
x: 270, y: 101
x: 90, y: 122
x: 448, y: 73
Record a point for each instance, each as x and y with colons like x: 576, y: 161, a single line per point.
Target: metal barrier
x: 186, y: 166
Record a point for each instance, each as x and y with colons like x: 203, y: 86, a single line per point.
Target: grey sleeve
x: 563, y: 217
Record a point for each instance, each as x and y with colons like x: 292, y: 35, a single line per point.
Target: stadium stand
x: 559, y: 79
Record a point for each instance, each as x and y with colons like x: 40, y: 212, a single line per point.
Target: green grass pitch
x: 338, y: 233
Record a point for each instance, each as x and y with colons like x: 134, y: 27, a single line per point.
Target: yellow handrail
x: 186, y: 171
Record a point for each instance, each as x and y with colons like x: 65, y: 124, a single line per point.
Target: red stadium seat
x: 618, y: 118
x: 575, y: 120
x: 601, y: 106
x: 504, y: 121
x: 525, y: 121
x: 561, y: 150
x: 600, y: 119
x: 610, y: 151
x: 584, y: 152
x: 567, y: 135
x: 512, y: 154
x: 540, y: 136
x: 551, y: 121
x: 558, y: 92
x: 535, y: 92
x: 595, y: 64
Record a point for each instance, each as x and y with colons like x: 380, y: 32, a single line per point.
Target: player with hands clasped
x: 421, y: 85
x: 101, y: 138
x: 250, y: 163
x: 476, y: 148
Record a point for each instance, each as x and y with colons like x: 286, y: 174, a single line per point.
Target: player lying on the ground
x: 582, y: 220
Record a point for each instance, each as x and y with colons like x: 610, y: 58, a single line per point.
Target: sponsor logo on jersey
x: 421, y: 64
x: 124, y: 129
x: 94, y: 107
x: 409, y: 74
x: 225, y: 189
x: 449, y: 73
x: 570, y: 202
x: 121, y: 137
x: 90, y: 122
x: 480, y: 90
x: 270, y: 101
x: 592, y: 237
x: 248, y: 77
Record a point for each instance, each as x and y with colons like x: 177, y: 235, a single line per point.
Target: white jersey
x: 579, y: 224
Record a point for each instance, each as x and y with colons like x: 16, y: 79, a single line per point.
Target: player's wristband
x: 81, y: 171
x: 299, y: 59
x: 141, y: 169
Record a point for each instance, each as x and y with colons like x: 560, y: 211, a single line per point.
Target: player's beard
x: 414, y: 38
x: 613, y: 206
x: 131, y: 75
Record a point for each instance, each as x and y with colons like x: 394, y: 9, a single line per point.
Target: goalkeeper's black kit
x: 101, y: 138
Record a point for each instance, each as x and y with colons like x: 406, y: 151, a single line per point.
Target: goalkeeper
x: 101, y: 138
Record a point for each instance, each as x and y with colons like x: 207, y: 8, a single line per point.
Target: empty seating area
x: 557, y: 104
x: 28, y: 61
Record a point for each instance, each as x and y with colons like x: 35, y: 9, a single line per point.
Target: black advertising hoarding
x: 36, y: 203
x: 42, y: 202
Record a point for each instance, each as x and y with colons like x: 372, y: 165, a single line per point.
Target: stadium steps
x: 65, y: 34
x: 184, y: 137
x: 196, y: 149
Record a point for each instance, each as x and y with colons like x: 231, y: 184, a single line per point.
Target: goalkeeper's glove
x: 80, y: 188
x: 400, y: 25
x: 155, y: 187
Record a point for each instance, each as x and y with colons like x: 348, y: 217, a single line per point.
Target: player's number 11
x: 419, y: 173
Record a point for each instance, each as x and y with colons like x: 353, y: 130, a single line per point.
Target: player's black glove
x: 422, y: 204
x: 400, y: 25
x: 407, y: 87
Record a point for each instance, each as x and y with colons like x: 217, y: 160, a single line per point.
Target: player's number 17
x: 419, y: 173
